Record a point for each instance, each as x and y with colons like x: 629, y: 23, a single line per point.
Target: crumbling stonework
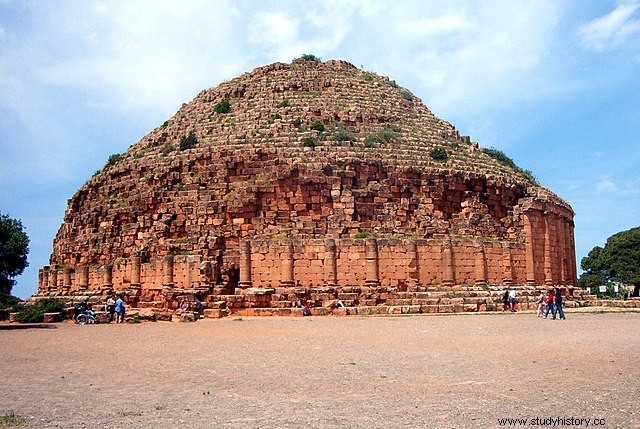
x: 317, y: 183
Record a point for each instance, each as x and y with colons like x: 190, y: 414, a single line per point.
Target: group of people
x: 552, y: 302
x: 116, y: 308
x: 549, y: 302
x: 510, y: 300
x: 197, y: 305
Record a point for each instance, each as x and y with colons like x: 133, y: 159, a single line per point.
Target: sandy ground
x: 454, y: 371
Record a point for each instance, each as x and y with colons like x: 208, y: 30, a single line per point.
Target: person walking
x: 551, y: 298
x: 559, y: 310
x: 120, y: 308
x: 505, y: 300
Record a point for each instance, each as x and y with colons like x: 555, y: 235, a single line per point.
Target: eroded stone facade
x: 317, y: 183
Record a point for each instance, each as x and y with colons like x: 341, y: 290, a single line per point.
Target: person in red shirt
x: 551, y: 304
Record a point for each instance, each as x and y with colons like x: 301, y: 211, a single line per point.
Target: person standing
x: 559, y: 310
x: 111, y: 308
x: 551, y: 298
x: 197, y: 306
x: 120, y: 308
x: 541, y: 300
x: 513, y: 300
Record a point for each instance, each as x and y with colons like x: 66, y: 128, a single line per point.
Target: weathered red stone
x: 267, y: 210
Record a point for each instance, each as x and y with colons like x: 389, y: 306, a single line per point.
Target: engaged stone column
x: 480, y: 264
x: 548, y: 272
x: 287, y: 261
x: 528, y: 242
x: 191, y: 265
x: 45, y: 277
x: 245, y: 264
x: 572, y: 273
x: 83, y: 282
x: 167, y: 273
x: 53, y: 278
x: 40, y: 277
x: 507, y: 261
x: 107, y: 279
x: 448, y: 264
x: 371, y: 260
x: 414, y: 265
x: 135, y: 270
x: 562, y: 249
x: 66, y: 278
x: 330, y: 263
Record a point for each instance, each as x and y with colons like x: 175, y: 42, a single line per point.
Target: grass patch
x: 382, y: 137
x: 11, y: 419
x: 502, y: 158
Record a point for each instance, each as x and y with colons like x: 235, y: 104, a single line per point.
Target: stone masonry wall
x: 284, y: 267
x: 268, y: 203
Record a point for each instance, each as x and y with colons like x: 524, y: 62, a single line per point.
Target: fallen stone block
x: 189, y: 316
x: 52, y: 317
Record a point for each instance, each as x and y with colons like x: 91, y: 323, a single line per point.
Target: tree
x: 617, y: 261
x: 14, y: 247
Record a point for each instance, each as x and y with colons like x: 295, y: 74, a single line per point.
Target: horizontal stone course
x: 266, y: 201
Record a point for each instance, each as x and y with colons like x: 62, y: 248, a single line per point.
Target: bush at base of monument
x: 35, y: 313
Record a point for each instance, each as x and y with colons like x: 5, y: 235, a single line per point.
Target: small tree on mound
x: 439, y: 153
x: 188, y: 142
x: 307, y: 57
x: 222, y: 107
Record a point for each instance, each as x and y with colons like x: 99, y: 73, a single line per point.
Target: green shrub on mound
x: 35, y: 313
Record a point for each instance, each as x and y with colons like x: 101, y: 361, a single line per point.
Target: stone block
x: 189, y: 316
x: 52, y: 317
x: 214, y: 313
x: 446, y: 308
x: 164, y: 316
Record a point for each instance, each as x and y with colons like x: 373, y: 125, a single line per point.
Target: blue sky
x: 554, y: 84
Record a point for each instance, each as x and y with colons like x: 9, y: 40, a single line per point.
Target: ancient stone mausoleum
x: 315, y: 180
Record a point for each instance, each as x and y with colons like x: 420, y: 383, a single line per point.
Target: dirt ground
x: 454, y: 371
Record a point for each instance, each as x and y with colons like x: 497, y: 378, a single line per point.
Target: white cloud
x: 618, y: 188
x: 612, y: 29
x: 135, y: 56
x: 605, y: 184
x: 468, y: 57
x: 429, y: 26
x: 276, y: 32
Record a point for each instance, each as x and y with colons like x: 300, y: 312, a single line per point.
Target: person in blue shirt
x: 120, y: 310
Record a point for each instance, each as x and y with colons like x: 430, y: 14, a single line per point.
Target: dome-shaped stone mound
x: 307, y: 179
